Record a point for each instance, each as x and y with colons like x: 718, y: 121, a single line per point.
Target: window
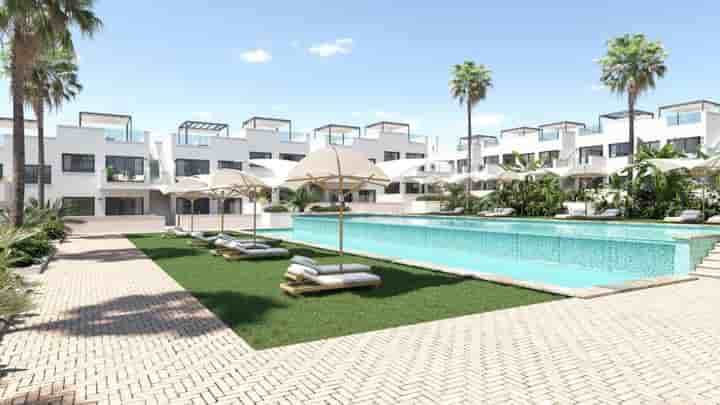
x: 390, y: 155
x: 367, y: 196
x: 191, y: 167
x: 392, y: 188
x: 491, y: 160
x: 260, y: 155
x: 125, y: 168
x: 652, y: 145
x: 1, y: 171
x: 546, y: 158
x: 508, y: 159
x: 32, y: 173
x: 124, y: 206
x: 412, y: 188
x: 78, y: 163
x: 414, y: 156
x: 372, y: 160
x: 78, y: 206
x: 619, y: 149
x: 588, y: 151
x: 232, y: 206
x: 294, y: 157
x: 154, y: 169
x: 686, y: 145
x: 229, y: 164
x: 462, y: 165
x: 200, y: 206
x: 527, y: 157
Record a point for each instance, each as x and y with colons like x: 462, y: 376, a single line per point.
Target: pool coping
x: 583, y: 293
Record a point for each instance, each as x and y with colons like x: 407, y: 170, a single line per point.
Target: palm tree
x: 27, y: 26
x: 469, y: 85
x: 52, y: 81
x: 631, y: 66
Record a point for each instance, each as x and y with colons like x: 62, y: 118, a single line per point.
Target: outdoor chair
x: 310, y: 281
x: 298, y: 264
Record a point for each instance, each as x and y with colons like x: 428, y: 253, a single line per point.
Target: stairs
x: 710, y: 266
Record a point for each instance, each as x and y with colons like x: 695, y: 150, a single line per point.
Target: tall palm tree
x: 53, y: 80
x: 469, y: 85
x: 27, y: 26
x: 631, y: 66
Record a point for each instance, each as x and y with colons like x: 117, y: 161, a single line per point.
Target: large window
x: 154, y: 169
x: 462, y: 166
x: 547, y: 157
x: 508, y: 159
x: 527, y: 157
x: 367, y: 196
x: 686, y: 145
x: 588, y: 151
x: 125, y: 168
x: 619, y: 149
x: 491, y: 160
x: 413, y: 188
x: 1, y: 171
x: 652, y: 145
x: 78, y: 206
x: 230, y: 164
x: 232, y: 206
x: 260, y: 155
x: 124, y: 206
x: 294, y: 157
x: 390, y: 155
x: 32, y: 173
x: 200, y: 206
x: 72, y: 162
x: 191, y: 167
x: 392, y: 188
x: 410, y: 155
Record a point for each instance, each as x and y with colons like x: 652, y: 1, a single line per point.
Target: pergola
x: 268, y: 123
x: 522, y: 131
x: 215, y: 128
x: 344, y: 132
x: 389, y: 127
x: 690, y: 106
x: 564, y: 125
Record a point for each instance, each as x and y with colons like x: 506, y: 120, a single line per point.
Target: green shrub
x: 54, y: 230
x: 276, y: 208
x: 27, y: 251
x: 329, y: 208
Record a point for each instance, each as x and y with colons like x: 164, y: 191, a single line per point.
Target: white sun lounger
x: 237, y: 251
x: 298, y: 265
x: 311, y: 282
x: 687, y: 216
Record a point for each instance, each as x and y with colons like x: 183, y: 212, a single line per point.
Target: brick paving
x: 112, y: 327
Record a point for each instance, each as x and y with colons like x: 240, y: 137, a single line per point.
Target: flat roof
x: 520, y: 130
x: 266, y: 123
x: 338, y: 128
x: 97, y: 118
x: 203, y: 126
x: 389, y: 125
x: 619, y: 115
x: 563, y: 124
x: 687, y: 106
x: 8, y: 123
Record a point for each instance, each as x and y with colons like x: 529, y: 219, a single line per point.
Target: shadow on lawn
x: 173, y: 312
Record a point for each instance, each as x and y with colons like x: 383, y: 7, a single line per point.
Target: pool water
x: 561, y: 253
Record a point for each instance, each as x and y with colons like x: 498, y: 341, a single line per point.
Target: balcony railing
x: 549, y: 135
x: 192, y: 140
x: 417, y: 138
x: 124, y: 177
x: 594, y: 130
x: 295, y: 137
x: 683, y: 118
x: 121, y: 135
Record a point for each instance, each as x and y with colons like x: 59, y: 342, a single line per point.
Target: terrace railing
x: 683, y: 118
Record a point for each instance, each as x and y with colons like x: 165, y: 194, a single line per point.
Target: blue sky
x: 317, y: 62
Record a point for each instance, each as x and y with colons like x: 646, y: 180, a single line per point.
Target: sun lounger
x: 176, y: 232
x: 454, y: 211
x: 572, y: 214
x: 311, y: 282
x: 715, y: 219
x: 238, y: 251
x: 687, y: 216
x: 298, y: 264
x: 501, y: 212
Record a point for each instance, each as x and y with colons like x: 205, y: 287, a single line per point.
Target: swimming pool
x: 568, y: 254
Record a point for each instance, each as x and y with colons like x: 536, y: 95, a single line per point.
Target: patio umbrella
x: 337, y: 170
x: 188, y: 188
x: 586, y: 172
x: 225, y: 183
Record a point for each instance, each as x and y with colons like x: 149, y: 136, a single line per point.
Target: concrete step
x: 709, y: 264
x: 713, y: 257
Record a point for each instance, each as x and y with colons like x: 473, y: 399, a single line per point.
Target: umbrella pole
x: 222, y: 218
x: 192, y: 215
x: 254, y: 196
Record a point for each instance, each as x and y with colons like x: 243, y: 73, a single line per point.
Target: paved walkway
x: 114, y: 328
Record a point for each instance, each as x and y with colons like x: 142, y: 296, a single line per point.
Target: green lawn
x: 246, y: 296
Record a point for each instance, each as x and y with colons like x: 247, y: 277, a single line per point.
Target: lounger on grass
x: 240, y: 251
x: 175, y: 232
x: 687, y: 216
x: 311, y: 282
x: 298, y: 265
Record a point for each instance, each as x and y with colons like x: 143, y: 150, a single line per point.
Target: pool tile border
x: 584, y: 293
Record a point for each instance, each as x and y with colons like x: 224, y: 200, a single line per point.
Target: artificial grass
x: 246, y: 296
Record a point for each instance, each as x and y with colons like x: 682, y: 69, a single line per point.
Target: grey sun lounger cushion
x: 323, y: 269
x: 262, y: 252
x: 343, y: 279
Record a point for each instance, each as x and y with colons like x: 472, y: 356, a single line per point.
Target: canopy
x: 189, y: 188
x: 397, y: 170
x: 586, y: 171
x: 278, y: 167
x: 667, y: 165
x: 337, y: 169
x: 509, y: 176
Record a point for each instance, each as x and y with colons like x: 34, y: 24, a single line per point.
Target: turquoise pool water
x: 561, y: 253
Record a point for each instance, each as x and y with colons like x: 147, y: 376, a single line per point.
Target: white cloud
x: 487, y: 120
x: 256, y: 56
x: 342, y: 46
x: 598, y: 87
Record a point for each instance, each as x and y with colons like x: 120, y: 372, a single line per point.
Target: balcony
x: 293, y: 137
x: 192, y: 140
x: 592, y: 130
x: 123, y: 136
x: 549, y: 135
x: 683, y: 118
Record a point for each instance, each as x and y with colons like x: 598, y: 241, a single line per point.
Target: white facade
x: 134, y: 187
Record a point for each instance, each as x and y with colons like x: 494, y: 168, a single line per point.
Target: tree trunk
x: 468, y: 184
x: 631, y: 129
x: 18, y: 96
x: 40, y: 115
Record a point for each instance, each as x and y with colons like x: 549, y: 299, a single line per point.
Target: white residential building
x: 104, y: 166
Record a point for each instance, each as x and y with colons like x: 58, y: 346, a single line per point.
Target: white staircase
x: 710, y: 266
